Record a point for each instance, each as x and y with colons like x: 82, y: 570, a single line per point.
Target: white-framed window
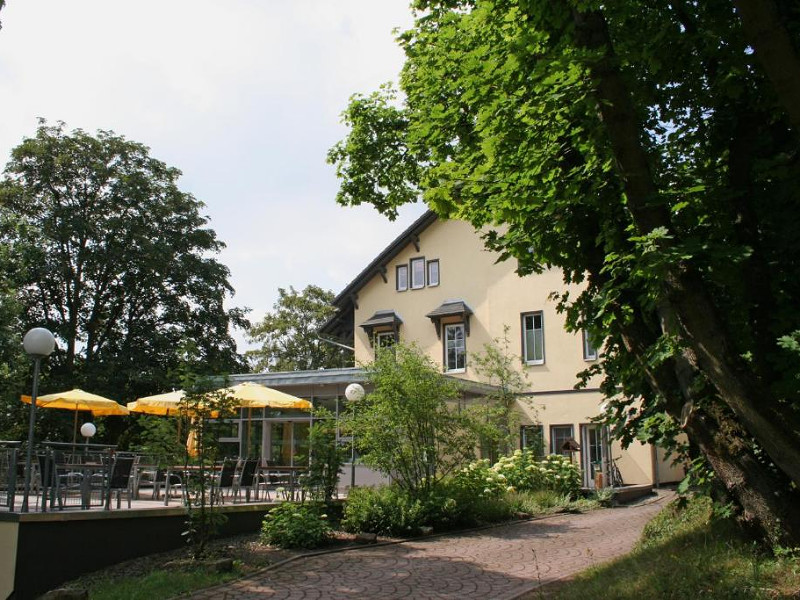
x: 455, y: 347
x: 401, y: 273
x: 531, y: 437
x: 559, y: 434
x: 533, y: 338
x: 384, y: 339
x: 589, y: 351
x: 417, y: 273
x: 433, y: 273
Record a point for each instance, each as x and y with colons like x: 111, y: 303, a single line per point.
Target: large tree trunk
x: 774, y: 51
x: 710, y: 350
x: 767, y: 503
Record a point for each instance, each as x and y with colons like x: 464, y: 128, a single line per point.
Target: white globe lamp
x: 354, y: 392
x: 88, y: 430
x: 39, y: 342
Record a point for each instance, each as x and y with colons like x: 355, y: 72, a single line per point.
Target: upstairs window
x: 533, y: 338
x: 384, y: 339
x: 417, y: 273
x: 589, y: 351
x: 455, y: 348
x: 433, y: 273
x: 402, y: 277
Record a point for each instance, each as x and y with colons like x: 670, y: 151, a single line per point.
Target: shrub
x: 479, y: 480
x: 385, y: 510
x: 290, y: 525
x: 554, y: 472
x: 521, y: 470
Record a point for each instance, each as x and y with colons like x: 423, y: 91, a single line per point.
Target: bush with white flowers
x: 521, y: 472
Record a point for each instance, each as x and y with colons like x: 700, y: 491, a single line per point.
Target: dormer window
x: 382, y: 324
x: 450, y: 310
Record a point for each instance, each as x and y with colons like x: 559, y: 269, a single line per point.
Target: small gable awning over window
x: 450, y: 308
x: 383, y: 319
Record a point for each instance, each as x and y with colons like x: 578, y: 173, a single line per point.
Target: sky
x: 243, y: 96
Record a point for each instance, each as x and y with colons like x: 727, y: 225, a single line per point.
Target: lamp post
x: 38, y: 343
x: 354, y: 393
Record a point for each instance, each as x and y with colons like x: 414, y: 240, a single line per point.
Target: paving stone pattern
x: 498, y: 563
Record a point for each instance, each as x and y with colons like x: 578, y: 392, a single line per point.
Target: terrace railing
x: 9, y: 473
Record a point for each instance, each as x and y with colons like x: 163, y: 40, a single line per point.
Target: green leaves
x: 288, y: 334
x: 115, y: 259
x: 408, y: 427
x: 375, y: 163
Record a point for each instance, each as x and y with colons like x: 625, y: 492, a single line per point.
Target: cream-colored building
x: 436, y: 285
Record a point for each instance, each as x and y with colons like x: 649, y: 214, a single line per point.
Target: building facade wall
x: 498, y: 298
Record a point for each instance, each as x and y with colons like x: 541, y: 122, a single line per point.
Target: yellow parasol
x: 255, y: 395
x: 161, y: 404
x: 78, y: 400
x: 191, y: 443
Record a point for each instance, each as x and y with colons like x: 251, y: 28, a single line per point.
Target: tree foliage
x: 408, y: 427
x: 288, y: 334
x: 648, y: 150
x: 109, y: 254
x: 496, y: 415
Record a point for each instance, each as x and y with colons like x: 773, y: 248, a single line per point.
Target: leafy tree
x: 408, y: 427
x: 496, y: 415
x: 111, y: 256
x: 327, y: 456
x: 289, y: 333
x: 648, y: 150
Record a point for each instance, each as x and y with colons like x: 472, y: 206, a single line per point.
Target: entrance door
x: 595, y: 450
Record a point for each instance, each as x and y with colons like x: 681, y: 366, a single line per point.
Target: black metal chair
x: 169, y: 481
x: 226, y: 478
x: 247, y: 479
x: 120, y: 478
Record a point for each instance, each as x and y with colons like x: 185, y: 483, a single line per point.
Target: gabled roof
x: 341, y: 324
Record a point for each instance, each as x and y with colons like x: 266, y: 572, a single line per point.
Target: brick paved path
x: 497, y: 563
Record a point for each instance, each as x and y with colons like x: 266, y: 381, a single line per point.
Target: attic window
x: 402, y: 277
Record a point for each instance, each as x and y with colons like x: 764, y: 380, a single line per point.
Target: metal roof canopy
x: 450, y: 308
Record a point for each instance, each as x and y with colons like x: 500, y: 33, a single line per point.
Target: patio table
x: 280, y: 476
x: 87, y: 472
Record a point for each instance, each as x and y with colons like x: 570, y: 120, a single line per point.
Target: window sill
x: 455, y: 371
x: 533, y: 363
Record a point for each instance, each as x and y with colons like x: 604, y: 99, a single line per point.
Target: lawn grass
x: 685, y: 553
x: 158, y: 584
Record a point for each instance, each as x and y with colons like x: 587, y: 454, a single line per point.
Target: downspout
x: 654, y: 460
